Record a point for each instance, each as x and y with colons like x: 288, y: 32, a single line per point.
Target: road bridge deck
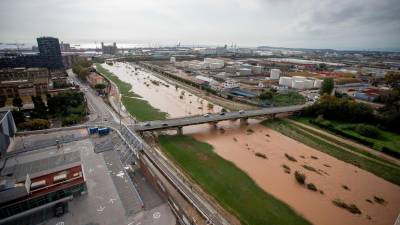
x: 211, y: 118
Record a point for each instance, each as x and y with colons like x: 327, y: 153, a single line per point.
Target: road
x: 106, y: 117
x: 211, y: 118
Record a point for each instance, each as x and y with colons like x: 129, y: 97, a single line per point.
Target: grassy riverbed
x: 137, y: 107
x: 233, y: 188
x: 364, y: 161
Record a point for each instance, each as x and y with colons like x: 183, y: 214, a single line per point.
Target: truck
x: 104, y: 131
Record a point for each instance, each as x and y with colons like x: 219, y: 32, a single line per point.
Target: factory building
x: 300, y: 82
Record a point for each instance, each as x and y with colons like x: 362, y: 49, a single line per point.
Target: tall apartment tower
x: 50, y: 52
x: 49, y: 46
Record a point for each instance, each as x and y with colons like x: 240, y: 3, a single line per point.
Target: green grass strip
x: 139, y: 108
x: 233, y: 188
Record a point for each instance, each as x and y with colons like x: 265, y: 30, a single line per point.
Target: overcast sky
x: 340, y: 24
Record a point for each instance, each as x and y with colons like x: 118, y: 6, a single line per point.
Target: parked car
x: 241, y: 111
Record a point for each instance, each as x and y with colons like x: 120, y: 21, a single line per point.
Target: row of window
x: 57, y: 178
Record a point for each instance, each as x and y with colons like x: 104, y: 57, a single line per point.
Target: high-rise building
x: 49, y: 46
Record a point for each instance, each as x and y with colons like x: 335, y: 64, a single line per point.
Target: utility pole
x: 120, y: 105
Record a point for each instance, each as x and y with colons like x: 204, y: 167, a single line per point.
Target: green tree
x: 100, y: 86
x: 392, y: 79
x: 327, y: 86
x: 2, y: 101
x: 40, y: 109
x: 18, y: 116
x: 321, y: 67
x: 17, y: 102
x: 266, y: 95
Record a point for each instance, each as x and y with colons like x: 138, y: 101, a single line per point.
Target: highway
x: 211, y: 118
x: 105, y: 116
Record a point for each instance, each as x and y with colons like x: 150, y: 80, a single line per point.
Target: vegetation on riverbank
x: 370, y: 162
x: 220, y: 178
x: 271, y: 96
x: 373, y: 137
x: 141, y: 109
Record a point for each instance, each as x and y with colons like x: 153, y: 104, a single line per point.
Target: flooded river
x: 238, y: 143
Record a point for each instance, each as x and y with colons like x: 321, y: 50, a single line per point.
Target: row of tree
x: 82, y: 68
x: 346, y: 109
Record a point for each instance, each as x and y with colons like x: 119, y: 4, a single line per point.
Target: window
x: 38, y: 184
x: 61, y: 176
x: 78, y: 174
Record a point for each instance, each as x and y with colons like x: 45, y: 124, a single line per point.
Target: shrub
x: 261, y: 155
x: 300, y: 177
x: 290, y: 158
x: 349, y: 207
x: 367, y: 130
x: 379, y: 200
x: 35, y: 124
x: 310, y: 168
x: 345, y: 187
x: 312, y: 187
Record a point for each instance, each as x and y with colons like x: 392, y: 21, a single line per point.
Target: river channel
x: 235, y: 143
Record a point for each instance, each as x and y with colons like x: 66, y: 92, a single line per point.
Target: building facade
x: 23, y: 82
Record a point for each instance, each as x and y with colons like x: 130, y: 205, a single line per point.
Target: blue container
x: 93, y: 130
x: 104, y: 131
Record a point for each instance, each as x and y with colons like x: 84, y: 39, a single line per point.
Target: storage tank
x: 285, y: 81
x: 256, y: 69
x: 317, y: 83
x: 275, y: 74
x: 296, y: 84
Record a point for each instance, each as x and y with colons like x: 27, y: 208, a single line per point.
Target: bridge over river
x: 178, y: 123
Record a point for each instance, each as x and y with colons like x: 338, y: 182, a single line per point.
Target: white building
x: 298, y: 84
x: 172, y: 60
x: 285, y: 81
x: 317, y: 83
x: 275, y: 74
x: 308, y: 84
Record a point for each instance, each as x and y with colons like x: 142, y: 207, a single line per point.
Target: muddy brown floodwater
x: 238, y: 144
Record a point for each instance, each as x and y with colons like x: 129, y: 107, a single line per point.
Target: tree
x: 18, y: 116
x: 17, y: 102
x: 2, y: 101
x: 100, y: 86
x: 322, y: 67
x: 266, y: 95
x: 327, y: 86
x: 40, y: 107
x: 392, y: 79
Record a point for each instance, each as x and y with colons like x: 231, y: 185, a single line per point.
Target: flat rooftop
x: 111, y: 194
